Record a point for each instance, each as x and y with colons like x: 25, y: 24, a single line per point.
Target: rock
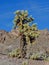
x: 41, y: 44
x: 8, y: 42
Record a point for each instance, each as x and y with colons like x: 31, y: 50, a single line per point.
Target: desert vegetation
x: 28, y: 33
x: 28, y: 36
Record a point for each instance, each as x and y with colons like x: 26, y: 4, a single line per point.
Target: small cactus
x: 25, y: 63
x: 15, y: 53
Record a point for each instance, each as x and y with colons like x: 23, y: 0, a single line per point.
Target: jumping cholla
x: 27, y: 33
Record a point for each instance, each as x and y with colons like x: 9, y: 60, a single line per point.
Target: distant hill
x: 11, y: 40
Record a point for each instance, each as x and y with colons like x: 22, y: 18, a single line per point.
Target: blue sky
x: 39, y: 9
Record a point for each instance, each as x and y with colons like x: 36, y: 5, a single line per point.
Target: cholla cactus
x: 15, y: 53
x: 22, y: 21
x: 22, y: 18
x: 39, y: 56
x: 25, y: 63
x: 34, y: 27
x: 30, y: 31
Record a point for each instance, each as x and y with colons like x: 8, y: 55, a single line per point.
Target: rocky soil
x: 10, y: 41
x: 4, y: 60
